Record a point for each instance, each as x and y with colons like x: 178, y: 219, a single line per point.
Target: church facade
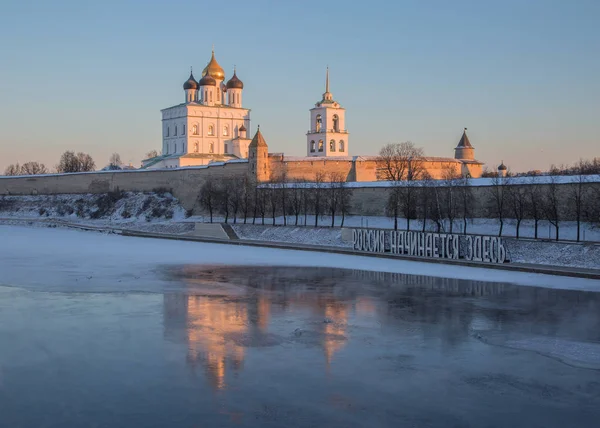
x: 211, y: 126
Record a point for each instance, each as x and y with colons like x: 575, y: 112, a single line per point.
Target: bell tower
x: 327, y: 135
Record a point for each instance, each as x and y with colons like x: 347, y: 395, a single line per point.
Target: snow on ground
x: 148, y: 212
x: 53, y: 258
x: 477, y: 226
x: 519, y: 251
x: 298, y: 235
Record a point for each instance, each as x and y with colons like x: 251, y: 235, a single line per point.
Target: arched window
x: 319, y: 123
x: 183, y: 132
x: 175, y: 130
x: 195, y: 147
x: 211, y: 130
x: 226, y: 130
x: 211, y: 147
x: 195, y: 130
x: 336, y: 123
x: 341, y: 145
x: 167, y: 134
x: 332, y: 146
x: 226, y: 149
x: 312, y: 146
x: 320, y: 145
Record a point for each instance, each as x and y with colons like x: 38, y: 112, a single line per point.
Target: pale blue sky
x: 522, y: 75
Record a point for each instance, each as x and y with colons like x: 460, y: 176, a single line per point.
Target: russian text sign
x: 479, y: 248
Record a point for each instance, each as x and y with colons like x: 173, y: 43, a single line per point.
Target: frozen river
x: 108, y: 331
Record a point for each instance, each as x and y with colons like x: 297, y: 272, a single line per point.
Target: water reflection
x: 229, y: 311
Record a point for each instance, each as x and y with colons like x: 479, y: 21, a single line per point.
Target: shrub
x: 189, y: 213
x: 125, y: 214
x: 157, y: 212
x: 80, y: 210
x: 161, y: 191
x: 169, y: 214
x: 42, y: 211
x: 147, y: 203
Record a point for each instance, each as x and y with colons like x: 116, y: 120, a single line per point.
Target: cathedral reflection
x: 231, y: 310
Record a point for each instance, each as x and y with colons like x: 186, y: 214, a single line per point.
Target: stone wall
x: 185, y: 184
x: 372, y: 200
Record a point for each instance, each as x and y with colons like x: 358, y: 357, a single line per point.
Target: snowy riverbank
x: 160, y: 212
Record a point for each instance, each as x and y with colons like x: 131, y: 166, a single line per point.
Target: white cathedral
x: 212, y: 126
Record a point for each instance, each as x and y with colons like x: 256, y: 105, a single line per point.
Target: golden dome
x: 214, y: 69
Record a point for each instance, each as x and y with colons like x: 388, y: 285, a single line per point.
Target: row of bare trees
x: 242, y: 199
x: 554, y: 202
x: 28, y: 168
x: 413, y: 195
x: 69, y: 162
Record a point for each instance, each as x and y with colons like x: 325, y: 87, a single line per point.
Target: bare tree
x: 577, y: 193
x: 400, y: 161
x: 273, y: 197
x: 86, y: 163
x: 307, y: 201
x: 497, y: 200
x: 279, y: 180
x: 451, y: 196
x: 247, y: 199
x: 402, y: 164
x: 333, y: 194
x: 465, y: 201
x: 151, y: 154
x: 296, y: 199
x: 534, y: 204
x: 68, y: 163
x: 345, y: 198
x: 114, y: 162
x: 260, y: 203
x: 425, y: 198
x: 517, y: 201
x: 209, y: 196
x: 437, y: 205
x: 224, y: 198
x: 592, y: 210
x: 71, y: 162
x: 33, y: 168
x: 318, y: 198
x: 13, y: 169
x: 551, y: 204
x: 392, y: 207
x: 236, y: 188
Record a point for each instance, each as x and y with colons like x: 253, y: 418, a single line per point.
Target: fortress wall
x: 185, y: 183
x: 372, y: 200
x: 359, y: 170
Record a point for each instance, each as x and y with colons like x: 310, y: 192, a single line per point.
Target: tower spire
x: 327, y: 80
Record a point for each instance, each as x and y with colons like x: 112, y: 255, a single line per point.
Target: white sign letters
x: 488, y: 249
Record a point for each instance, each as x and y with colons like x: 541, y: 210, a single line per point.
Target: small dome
x: 242, y: 128
x: 234, y: 82
x: 207, y: 80
x: 502, y: 167
x: 214, y: 69
x: 190, y: 83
